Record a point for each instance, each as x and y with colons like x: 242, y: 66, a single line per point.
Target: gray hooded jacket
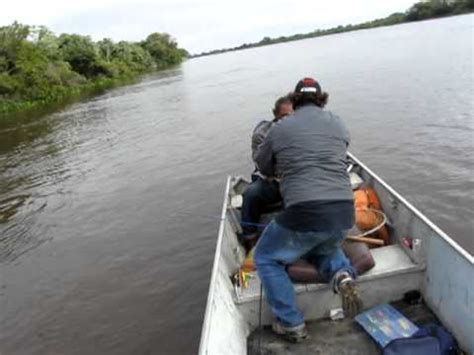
x: 307, y: 150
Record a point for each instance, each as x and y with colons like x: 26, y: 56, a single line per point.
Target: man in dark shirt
x: 263, y: 191
x: 308, y: 151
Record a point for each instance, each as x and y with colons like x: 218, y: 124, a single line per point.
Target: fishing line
x: 217, y: 218
x: 260, y: 304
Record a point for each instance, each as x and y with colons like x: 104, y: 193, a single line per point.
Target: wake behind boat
x: 432, y: 263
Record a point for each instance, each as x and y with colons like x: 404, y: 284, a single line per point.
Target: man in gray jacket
x: 307, y: 152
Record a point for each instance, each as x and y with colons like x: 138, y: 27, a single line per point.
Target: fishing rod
x: 360, y: 237
x: 218, y: 218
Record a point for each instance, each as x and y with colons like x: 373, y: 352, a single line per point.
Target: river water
x: 102, y: 250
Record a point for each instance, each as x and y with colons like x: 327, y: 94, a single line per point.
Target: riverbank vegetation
x: 38, y: 67
x: 420, y: 11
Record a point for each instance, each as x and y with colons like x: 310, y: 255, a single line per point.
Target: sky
x: 197, y: 25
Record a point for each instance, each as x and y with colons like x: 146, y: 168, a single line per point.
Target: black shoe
x: 248, y: 241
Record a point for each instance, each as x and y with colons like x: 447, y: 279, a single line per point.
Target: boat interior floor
x: 342, y: 337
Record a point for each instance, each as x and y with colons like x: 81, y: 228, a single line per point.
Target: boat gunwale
x: 212, y: 284
x: 417, y: 212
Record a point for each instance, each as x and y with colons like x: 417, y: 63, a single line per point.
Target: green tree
x: 135, y: 57
x: 12, y: 38
x: 425, y: 10
x: 82, y: 54
x: 462, y: 6
x: 38, y: 67
x: 106, y: 48
x: 163, y: 48
x: 47, y: 41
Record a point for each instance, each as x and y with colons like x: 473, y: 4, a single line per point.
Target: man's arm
x: 346, y: 136
x: 258, y: 136
x: 264, y: 156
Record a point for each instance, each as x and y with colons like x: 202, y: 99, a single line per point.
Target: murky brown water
x: 96, y: 254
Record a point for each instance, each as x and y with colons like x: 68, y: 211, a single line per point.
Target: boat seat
x: 383, y: 262
x: 303, y: 271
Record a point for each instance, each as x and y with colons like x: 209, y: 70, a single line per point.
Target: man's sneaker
x: 294, y: 334
x: 347, y: 288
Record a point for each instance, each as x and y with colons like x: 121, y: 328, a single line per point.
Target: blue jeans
x: 279, y: 247
x: 259, y: 194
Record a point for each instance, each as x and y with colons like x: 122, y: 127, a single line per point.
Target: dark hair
x: 281, y: 101
x: 303, y: 98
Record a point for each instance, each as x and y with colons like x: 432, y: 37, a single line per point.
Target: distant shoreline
x: 418, y: 12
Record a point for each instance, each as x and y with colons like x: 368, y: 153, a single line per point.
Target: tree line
x: 38, y: 67
x: 419, y: 11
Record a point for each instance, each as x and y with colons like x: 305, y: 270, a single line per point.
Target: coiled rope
x: 377, y: 227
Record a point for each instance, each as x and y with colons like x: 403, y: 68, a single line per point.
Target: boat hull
x: 439, y: 268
